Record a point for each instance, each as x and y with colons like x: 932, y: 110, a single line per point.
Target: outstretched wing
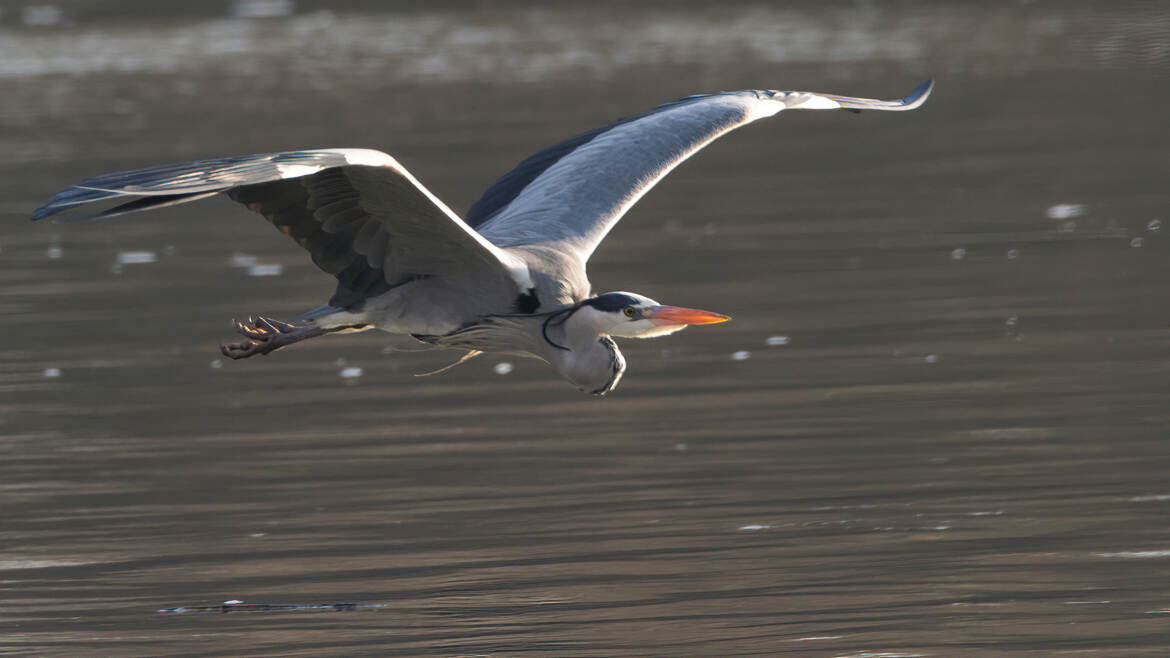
x: 569, y: 196
x: 361, y: 215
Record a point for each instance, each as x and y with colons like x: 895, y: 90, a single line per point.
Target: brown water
x: 959, y: 450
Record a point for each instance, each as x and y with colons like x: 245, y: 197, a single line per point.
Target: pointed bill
x: 676, y: 315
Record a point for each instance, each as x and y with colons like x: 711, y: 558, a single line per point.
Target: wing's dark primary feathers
x: 322, y: 212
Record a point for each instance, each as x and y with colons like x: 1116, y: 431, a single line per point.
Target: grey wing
x: 569, y: 196
x: 361, y: 216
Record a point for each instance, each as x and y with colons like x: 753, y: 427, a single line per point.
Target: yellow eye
x: 629, y: 311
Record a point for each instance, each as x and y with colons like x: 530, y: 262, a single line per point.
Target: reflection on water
x: 935, y: 427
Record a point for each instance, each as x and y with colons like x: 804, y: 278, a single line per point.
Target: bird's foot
x: 264, y: 335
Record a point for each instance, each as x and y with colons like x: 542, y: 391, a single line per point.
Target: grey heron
x: 510, y: 277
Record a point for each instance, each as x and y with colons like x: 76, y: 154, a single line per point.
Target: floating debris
x: 352, y: 372
x: 265, y: 270
x: 502, y: 368
x: 240, y: 606
x: 774, y: 341
x: 742, y: 355
x: 958, y: 253
x: 136, y: 257
x: 51, y: 372
x: 754, y: 527
x: 1066, y: 210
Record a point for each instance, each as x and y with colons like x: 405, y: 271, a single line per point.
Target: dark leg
x: 265, y: 335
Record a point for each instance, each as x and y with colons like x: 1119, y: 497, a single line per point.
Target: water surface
x: 954, y: 444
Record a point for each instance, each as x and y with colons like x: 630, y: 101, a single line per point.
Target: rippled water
x: 936, y: 426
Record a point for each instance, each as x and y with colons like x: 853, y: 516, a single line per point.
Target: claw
x: 264, y: 335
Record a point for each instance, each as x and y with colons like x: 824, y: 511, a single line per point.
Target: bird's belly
x: 430, y: 307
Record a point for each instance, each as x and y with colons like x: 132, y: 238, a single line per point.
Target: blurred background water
x: 936, y: 427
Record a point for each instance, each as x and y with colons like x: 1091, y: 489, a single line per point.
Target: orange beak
x: 660, y: 315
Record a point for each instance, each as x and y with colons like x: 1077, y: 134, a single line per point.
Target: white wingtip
x: 804, y: 100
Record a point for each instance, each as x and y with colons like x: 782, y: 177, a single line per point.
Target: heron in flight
x: 509, y: 277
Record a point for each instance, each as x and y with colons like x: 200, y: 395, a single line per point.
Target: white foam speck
x: 777, y: 340
x: 39, y: 564
x: 217, y: 364
x: 1136, y: 242
x: 742, y: 355
x: 265, y: 270
x: 42, y: 15
x: 233, y: 602
x: 54, y: 252
x: 1135, y: 555
x: 352, y: 372
x: 680, y: 447
x: 1066, y: 210
x: 880, y: 655
x: 261, y: 8
x: 51, y: 372
x: 1146, y: 499
x: 930, y: 358
x: 997, y: 512
x: 958, y: 253
x: 1013, y: 254
x: 258, y: 534
x: 1154, y: 225
x: 136, y: 257
x: 813, y: 638
x: 1011, y: 321
x: 240, y: 259
x: 754, y: 527
x: 339, y: 362
x: 502, y: 368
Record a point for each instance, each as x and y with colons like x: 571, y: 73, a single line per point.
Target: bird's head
x: 580, y: 339
x: 630, y: 315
